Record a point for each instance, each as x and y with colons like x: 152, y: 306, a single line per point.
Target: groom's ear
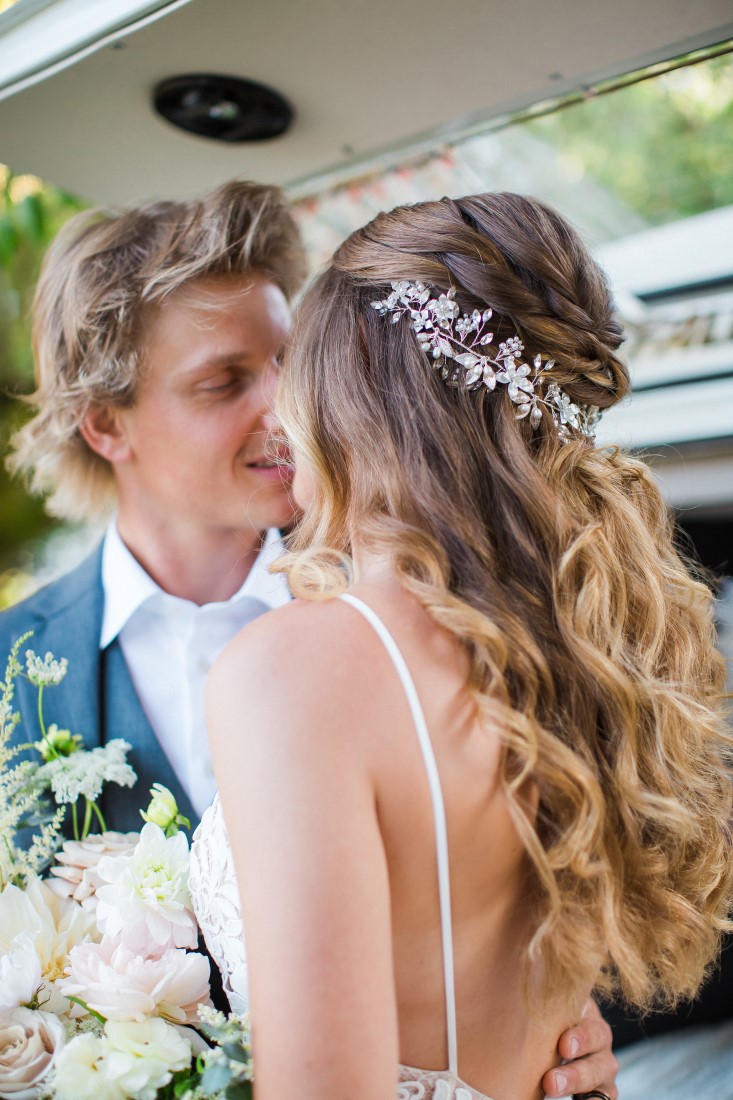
x: 102, y: 431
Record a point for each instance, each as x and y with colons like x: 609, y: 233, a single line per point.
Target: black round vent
x: 225, y: 108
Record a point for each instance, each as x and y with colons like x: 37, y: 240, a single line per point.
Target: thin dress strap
x: 441, y: 831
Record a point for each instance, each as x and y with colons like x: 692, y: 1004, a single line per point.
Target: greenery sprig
x: 36, y: 792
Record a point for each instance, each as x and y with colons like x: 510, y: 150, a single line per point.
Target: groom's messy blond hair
x: 101, y: 277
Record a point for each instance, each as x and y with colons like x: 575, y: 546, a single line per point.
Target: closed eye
x: 221, y: 386
x: 224, y: 383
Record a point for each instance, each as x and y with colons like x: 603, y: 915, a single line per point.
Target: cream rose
x: 30, y: 1043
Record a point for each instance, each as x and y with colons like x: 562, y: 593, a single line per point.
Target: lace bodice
x: 216, y: 903
x: 215, y: 896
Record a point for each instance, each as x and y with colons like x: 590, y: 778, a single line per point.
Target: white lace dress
x: 216, y: 902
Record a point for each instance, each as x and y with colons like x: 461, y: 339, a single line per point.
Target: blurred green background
x: 31, y: 213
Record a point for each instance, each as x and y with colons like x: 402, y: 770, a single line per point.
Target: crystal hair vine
x: 459, y: 346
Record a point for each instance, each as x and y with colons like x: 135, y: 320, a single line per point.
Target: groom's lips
x: 276, y: 467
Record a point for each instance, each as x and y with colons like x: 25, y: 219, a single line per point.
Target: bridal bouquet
x: 103, y: 995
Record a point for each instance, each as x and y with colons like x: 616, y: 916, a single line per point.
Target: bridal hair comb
x: 459, y: 345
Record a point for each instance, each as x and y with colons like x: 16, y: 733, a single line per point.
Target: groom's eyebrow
x: 225, y: 359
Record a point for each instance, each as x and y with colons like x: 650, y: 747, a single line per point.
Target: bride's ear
x: 103, y: 431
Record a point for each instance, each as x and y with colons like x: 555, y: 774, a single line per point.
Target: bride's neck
x: 370, y: 565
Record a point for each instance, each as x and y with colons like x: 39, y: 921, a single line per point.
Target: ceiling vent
x: 225, y: 108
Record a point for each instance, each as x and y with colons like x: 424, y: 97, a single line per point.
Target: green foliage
x: 15, y: 585
x: 31, y: 214
x: 664, y: 146
x: 18, y: 797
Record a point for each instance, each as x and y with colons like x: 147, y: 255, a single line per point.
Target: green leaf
x: 8, y: 241
x: 216, y: 1034
x: 216, y: 1077
x: 185, y: 1081
x: 239, y: 1090
x: 236, y: 1052
x: 31, y: 217
x: 97, y: 1015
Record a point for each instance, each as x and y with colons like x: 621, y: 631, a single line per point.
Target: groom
x: 157, y: 334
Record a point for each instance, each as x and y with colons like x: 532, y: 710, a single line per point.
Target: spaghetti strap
x: 441, y: 832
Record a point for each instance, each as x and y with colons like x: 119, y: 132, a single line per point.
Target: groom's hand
x: 590, y: 1062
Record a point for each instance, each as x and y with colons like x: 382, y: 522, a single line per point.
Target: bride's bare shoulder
x: 301, y: 643
x: 298, y: 686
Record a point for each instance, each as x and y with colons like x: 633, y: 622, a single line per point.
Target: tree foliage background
x: 31, y: 214
x: 663, y: 146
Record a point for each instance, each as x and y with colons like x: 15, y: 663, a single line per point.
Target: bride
x: 490, y: 777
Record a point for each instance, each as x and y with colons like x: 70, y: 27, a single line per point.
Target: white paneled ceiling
x: 365, y: 77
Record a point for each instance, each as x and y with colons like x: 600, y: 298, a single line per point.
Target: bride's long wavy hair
x: 552, y: 562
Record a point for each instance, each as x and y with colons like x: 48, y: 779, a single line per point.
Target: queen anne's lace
x: 459, y: 346
x: 84, y: 774
x: 45, y: 671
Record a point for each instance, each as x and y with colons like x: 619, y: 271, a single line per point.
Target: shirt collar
x: 127, y: 586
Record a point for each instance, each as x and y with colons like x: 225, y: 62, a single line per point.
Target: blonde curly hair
x: 553, y: 563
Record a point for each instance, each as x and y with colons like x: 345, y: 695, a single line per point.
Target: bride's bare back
x: 348, y: 857
x: 503, y: 1049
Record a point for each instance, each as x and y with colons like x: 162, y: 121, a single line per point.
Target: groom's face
x: 196, y: 436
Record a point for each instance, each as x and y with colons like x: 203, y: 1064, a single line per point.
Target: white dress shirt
x: 169, y: 645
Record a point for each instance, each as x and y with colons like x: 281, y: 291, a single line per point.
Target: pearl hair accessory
x: 459, y: 346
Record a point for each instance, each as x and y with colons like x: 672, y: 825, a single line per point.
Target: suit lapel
x: 96, y: 698
x: 66, y: 619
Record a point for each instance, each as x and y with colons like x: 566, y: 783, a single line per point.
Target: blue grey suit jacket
x: 96, y: 698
